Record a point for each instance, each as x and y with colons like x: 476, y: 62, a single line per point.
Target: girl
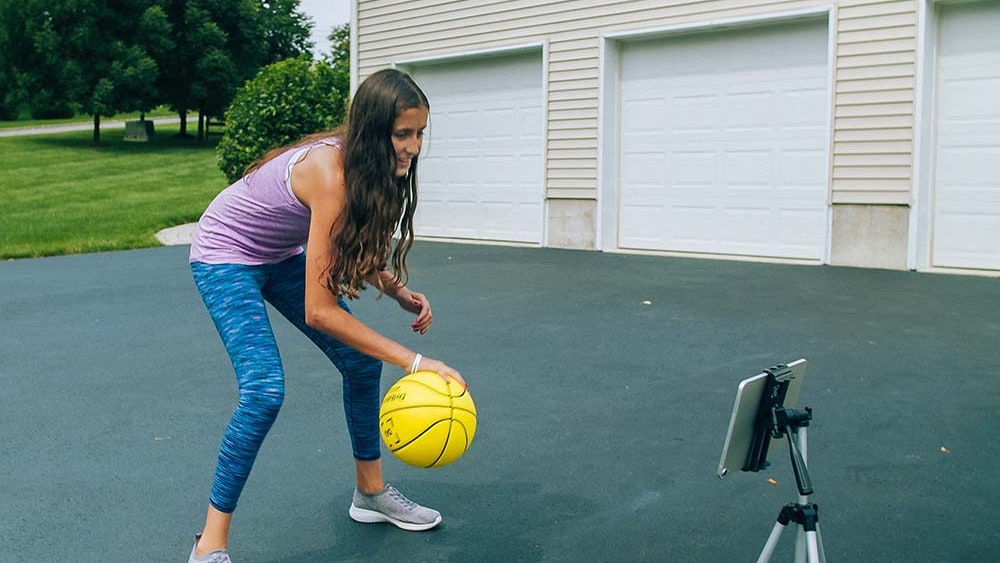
x: 344, y: 194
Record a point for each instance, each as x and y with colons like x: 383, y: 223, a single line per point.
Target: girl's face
x: 407, y: 137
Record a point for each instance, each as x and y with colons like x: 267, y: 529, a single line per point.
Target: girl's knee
x: 263, y: 403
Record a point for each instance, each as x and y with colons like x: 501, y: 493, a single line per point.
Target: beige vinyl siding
x: 392, y: 31
x: 873, y: 96
x: 874, y: 102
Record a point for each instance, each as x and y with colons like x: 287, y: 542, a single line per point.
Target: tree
x: 220, y: 44
x: 91, y: 56
x: 286, y: 30
x: 11, y: 96
x: 340, y: 46
x: 103, y: 57
x: 202, y: 57
x: 33, y: 52
x: 157, y: 39
x: 284, y: 102
x: 340, y: 59
x: 109, y: 47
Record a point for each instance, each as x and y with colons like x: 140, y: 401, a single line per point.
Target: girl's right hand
x: 442, y: 369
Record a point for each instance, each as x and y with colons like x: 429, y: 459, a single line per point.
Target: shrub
x: 9, y: 110
x: 11, y: 98
x: 46, y: 105
x: 285, y: 101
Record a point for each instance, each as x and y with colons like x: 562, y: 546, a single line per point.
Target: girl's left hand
x: 416, y: 303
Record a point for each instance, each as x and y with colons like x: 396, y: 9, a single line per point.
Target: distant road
x: 105, y: 125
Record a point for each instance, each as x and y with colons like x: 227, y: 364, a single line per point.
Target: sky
x: 326, y: 15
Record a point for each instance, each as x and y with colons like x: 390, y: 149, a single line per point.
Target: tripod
x: 808, y: 542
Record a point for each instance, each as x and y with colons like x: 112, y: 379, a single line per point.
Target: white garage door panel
x: 967, y: 180
x: 724, y: 140
x: 481, y: 167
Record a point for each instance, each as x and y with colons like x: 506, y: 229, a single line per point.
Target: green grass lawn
x: 61, y: 195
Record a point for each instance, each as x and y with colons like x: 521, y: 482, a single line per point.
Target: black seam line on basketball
x: 465, y: 433
x: 426, y: 430
x: 422, y: 384
x: 453, y: 409
x: 447, y: 441
x: 425, y: 407
x: 444, y: 448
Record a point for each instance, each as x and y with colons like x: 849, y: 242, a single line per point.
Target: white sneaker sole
x: 366, y: 516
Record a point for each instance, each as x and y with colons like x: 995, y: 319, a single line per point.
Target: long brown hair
x: 377, y: 201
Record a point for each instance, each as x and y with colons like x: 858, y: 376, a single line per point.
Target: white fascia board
x: 722, y: 23
x: 461, y: 55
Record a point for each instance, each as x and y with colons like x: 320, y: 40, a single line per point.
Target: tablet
x: 742, y: 424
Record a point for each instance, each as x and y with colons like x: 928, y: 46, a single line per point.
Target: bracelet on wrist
x: 415, y: 365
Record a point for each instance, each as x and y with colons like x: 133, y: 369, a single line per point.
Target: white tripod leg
x: 800, y: 546
x: 813, y: 544
x: 819, y: 545
x: 772, y: 543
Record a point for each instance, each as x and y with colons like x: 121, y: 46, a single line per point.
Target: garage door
x: 967, y: 174
x: 481, y: 167
x: 724, y: 142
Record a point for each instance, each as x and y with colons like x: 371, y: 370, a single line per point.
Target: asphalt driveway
x: 604, y: 384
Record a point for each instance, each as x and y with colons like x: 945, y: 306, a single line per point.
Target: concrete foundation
x: 870, y: 236
x: 572, y: 224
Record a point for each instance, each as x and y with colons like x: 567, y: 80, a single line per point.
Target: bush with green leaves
x: 285, y: 101
x: 11, y: 96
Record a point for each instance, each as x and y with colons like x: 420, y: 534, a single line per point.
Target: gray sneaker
x: 389, y: 505
x: 217, y: 556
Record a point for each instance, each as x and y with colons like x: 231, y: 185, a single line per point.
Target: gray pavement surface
x: 601, y: 417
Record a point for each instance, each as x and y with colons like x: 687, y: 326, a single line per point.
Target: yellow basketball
x: 426, y: 421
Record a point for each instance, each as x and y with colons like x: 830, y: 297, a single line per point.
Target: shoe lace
x: 398, y: 496
x: 219, y: 557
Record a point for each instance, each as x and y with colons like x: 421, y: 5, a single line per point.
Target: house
x: 853, y: 132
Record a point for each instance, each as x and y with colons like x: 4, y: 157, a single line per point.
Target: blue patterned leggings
x: 234, y: 295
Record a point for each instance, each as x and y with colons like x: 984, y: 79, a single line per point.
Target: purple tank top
x: 256, y: 220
